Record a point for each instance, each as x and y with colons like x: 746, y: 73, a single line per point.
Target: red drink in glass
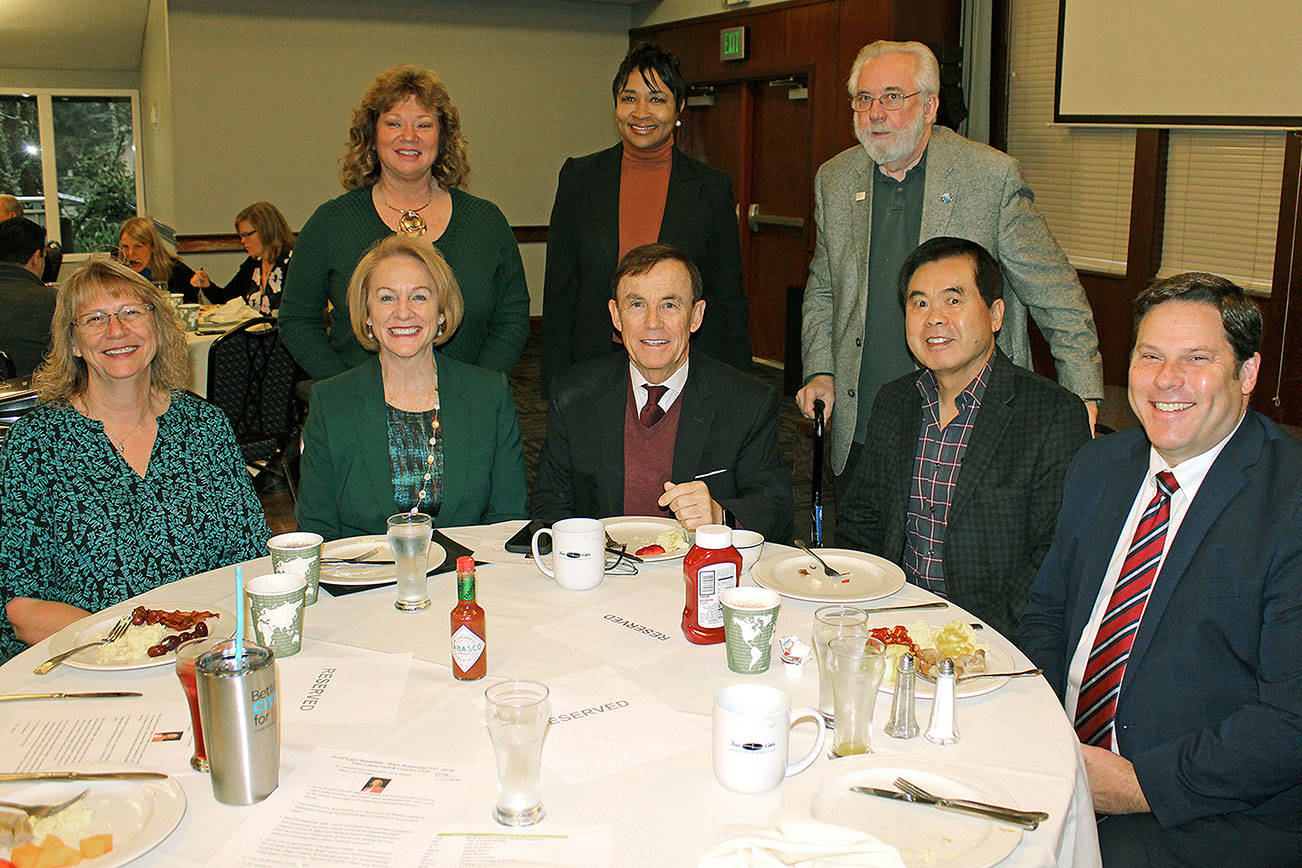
x: 186, y: 655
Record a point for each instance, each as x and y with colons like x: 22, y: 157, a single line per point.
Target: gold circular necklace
x: 409, y: 220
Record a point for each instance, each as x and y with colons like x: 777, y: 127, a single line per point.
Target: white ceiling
x: 72, y: 34
x: 85, y: 34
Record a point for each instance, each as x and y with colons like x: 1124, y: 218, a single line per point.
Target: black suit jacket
x: 1006, y: 498
x: 1210, y: 709
x: 583, y: 250
x: 728, y: 421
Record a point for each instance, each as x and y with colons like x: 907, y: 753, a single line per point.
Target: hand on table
x: 819, y: 388
x: 691, y: 504
x: 1113, y: 783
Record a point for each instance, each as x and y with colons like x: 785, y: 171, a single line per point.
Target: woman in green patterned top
x: 411, y: 428
x: 118, y: 482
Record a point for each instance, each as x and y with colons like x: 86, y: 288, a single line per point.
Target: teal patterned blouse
x: 79, y: 526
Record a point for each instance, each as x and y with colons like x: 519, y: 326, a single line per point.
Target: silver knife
x: 1025, y: 819
x: 14, y: 697
x: 6, y: 777
x: 939, y: 604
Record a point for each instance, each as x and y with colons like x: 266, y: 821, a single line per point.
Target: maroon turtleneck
x: 643, y: 186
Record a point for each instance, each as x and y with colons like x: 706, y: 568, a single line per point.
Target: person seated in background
x: 10, y: 207
x: 965, y: 458
x: 119, y: 480
x: 409, y: 428
x: 267, y: 240
x: 1168, y: 612
x: 141, y: 248
x: 26, y: 304
x: 652, y: 432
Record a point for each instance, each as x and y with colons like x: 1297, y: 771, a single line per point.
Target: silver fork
x: 113, y: 635
x: 1029, y: 819
x: 831, y: 573
x: 354, y: 559
x: 1023, y: 673
x: 37, y: 812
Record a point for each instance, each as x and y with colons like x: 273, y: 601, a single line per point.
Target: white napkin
x: 234, y: 311
x: 793, y: 840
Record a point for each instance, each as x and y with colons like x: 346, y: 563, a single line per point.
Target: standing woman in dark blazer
x: 639, y: 191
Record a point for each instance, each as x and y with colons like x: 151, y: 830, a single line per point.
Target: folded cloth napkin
x: 793, y: 840
x: 231, y: 313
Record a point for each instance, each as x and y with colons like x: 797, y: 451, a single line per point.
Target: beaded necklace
x: 429, y: 460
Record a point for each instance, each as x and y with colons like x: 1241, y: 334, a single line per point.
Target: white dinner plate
x: 365, y: 575
x: 796, y: 575
x: 638, y: 531
x: 924, y: 835
x: 139, y: 814
x: 97, y: 627
x: 996, y: 657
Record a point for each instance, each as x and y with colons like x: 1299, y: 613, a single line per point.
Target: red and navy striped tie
x: 1096, y: 708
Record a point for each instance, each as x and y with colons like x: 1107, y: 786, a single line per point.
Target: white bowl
x: 749, y: 544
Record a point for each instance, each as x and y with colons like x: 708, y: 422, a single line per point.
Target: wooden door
x: 760, y: 131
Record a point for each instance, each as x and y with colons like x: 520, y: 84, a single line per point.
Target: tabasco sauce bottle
x: 469, y: 641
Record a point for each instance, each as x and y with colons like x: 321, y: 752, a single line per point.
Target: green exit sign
x: 732, y: 43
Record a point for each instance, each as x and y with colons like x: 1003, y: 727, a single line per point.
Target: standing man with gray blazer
x: 911, y: 181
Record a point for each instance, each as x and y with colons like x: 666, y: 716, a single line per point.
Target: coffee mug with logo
x: 751, y: 726
x: 578, y: 552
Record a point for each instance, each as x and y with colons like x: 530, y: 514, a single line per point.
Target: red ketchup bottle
x: 710, y: 567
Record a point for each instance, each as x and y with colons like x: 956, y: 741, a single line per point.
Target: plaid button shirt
x: 935, y: 473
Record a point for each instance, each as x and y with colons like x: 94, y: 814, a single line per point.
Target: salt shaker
x: 903, y: 722
x: 943, y: 728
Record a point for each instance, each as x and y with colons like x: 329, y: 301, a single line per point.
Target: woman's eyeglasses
x: 128, y: 315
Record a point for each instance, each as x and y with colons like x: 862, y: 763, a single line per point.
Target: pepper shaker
x: 943, y: 728
x: 904, y: 722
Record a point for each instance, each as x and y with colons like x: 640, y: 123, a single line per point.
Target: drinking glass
x: 831, y: 622
x: 409, y: 537
x: 856, y: 665
x: 517, y: 713
x: 186, y: 654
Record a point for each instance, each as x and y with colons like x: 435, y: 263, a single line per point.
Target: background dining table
x: 666, y: 811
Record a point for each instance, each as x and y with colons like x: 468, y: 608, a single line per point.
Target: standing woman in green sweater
x: 403, y: 171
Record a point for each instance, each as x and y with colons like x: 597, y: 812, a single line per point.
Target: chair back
x: 7, y: 369
x: 251, y: 377
x: 53, y: 262
x: 17, y: 398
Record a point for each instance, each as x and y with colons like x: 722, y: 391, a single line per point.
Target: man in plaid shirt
x: 964, y: 459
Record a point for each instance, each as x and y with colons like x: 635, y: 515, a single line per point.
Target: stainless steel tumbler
x: 239, y: 708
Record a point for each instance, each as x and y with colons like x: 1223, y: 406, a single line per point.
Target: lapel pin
x: 946, y: 198
x: 860, y: 196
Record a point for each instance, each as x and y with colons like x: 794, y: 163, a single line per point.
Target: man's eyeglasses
x: 891, y: 102
x: 128, y: 315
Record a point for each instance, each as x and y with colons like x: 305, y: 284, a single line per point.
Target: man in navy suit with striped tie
x: 1168, y: 612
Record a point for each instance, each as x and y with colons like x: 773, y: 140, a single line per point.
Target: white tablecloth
x: 663, y: 813
x: 198, y: 346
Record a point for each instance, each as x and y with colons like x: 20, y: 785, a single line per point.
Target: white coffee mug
x: 578, y: 551
x: 751, y: 725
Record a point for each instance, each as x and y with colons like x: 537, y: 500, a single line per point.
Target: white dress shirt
x: 677, y: 380
x: 1190, y: 474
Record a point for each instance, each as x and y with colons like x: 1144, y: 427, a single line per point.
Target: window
x: 71, y: 157
x: 1082, y: 177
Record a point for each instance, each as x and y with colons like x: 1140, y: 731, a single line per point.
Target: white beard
x: 892, y: 148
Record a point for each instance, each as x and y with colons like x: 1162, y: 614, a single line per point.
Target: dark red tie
x: 651, y: 412
x: 1096, y: 708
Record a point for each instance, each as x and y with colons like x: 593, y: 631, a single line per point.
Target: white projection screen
x: 1204, y: 63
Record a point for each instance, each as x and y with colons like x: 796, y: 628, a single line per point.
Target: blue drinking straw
x: 239, y: 619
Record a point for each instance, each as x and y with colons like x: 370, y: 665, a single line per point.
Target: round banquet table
x: 666, y: 812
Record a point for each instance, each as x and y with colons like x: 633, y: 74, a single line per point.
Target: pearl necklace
x: 409, y: 220
x: 429, y: 460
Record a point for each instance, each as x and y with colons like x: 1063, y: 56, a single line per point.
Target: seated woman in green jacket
x: 410, y: 429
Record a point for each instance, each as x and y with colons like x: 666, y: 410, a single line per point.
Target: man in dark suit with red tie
x: 655, y: 432
x: 1168, y: 612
